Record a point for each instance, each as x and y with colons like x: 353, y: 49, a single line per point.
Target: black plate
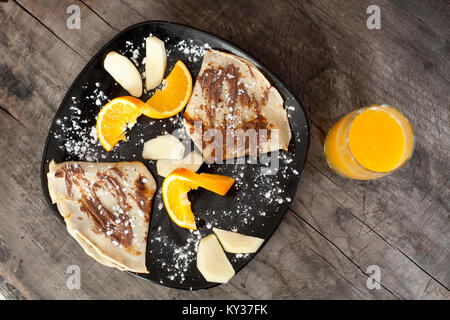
x: 255, y: 205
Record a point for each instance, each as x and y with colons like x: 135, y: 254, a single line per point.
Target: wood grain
x: 324, y: 53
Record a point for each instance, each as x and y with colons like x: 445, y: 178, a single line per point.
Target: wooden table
x: 324, y: 52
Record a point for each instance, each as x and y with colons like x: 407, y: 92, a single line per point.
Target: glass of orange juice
x: 369, y: 143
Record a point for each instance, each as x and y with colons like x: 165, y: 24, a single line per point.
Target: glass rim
x: 358, y: 112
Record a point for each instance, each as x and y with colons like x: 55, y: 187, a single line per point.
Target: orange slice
x: 176, y: 91
x: 114, y: 119
x: 213, y: 182
x: 176, y: 201
x: 176, y: 187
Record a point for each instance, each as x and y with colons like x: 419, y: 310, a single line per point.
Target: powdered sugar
x: 191, y: 50
x: 177, y: 258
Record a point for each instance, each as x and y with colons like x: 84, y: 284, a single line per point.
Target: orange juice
x: 369, y: 143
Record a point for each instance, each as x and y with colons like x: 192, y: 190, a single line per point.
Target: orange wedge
x: 176, y: 187
x: 176, y: 201
x: 176, y: 91
x: 114, y: 119
x: 213, y: 182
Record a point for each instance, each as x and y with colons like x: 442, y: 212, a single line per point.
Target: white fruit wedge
x: 192, y: 161
x: 155, y: 62
x: 124, y: 72
x: 234, y: 242
x: 212, y: 262
x: 163, y: 147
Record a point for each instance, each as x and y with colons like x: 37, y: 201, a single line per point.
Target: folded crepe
x: 245, y: 112
x: 106, y: 207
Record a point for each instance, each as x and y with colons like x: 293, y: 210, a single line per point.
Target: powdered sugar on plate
x: 193, y: 51
x: 76, y: 131
x: 178, y: 258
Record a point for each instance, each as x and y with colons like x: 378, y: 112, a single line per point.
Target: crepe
x: 106, y: 207
x: 232, y: 97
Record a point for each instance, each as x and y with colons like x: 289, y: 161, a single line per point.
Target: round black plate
x: 254, y: 206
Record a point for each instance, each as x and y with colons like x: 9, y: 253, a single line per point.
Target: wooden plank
x: 36, y: 70
x: 29, y: 64
x: 407, y: 209
x: 119, y: 15
x: 333, y: 217
x: 93, y: 32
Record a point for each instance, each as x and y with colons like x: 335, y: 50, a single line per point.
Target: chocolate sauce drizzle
x: 116, y: 227
x: 212, y: 83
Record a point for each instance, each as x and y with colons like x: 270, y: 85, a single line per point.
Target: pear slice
x: 124, y: 72
x: 192, y: 161
x: 234, y: 242
x: 163, y: 147
x: 212, y: 262
x: 155, y: 62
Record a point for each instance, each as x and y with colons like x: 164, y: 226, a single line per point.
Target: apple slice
x: 192, y: 161
x: 155, y: 62
x: 163, y: 147
x: 234, y: 242
x: 124, y: 72
x: 212, y: 261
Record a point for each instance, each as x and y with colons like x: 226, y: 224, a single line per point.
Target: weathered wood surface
x: 323, y: 51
